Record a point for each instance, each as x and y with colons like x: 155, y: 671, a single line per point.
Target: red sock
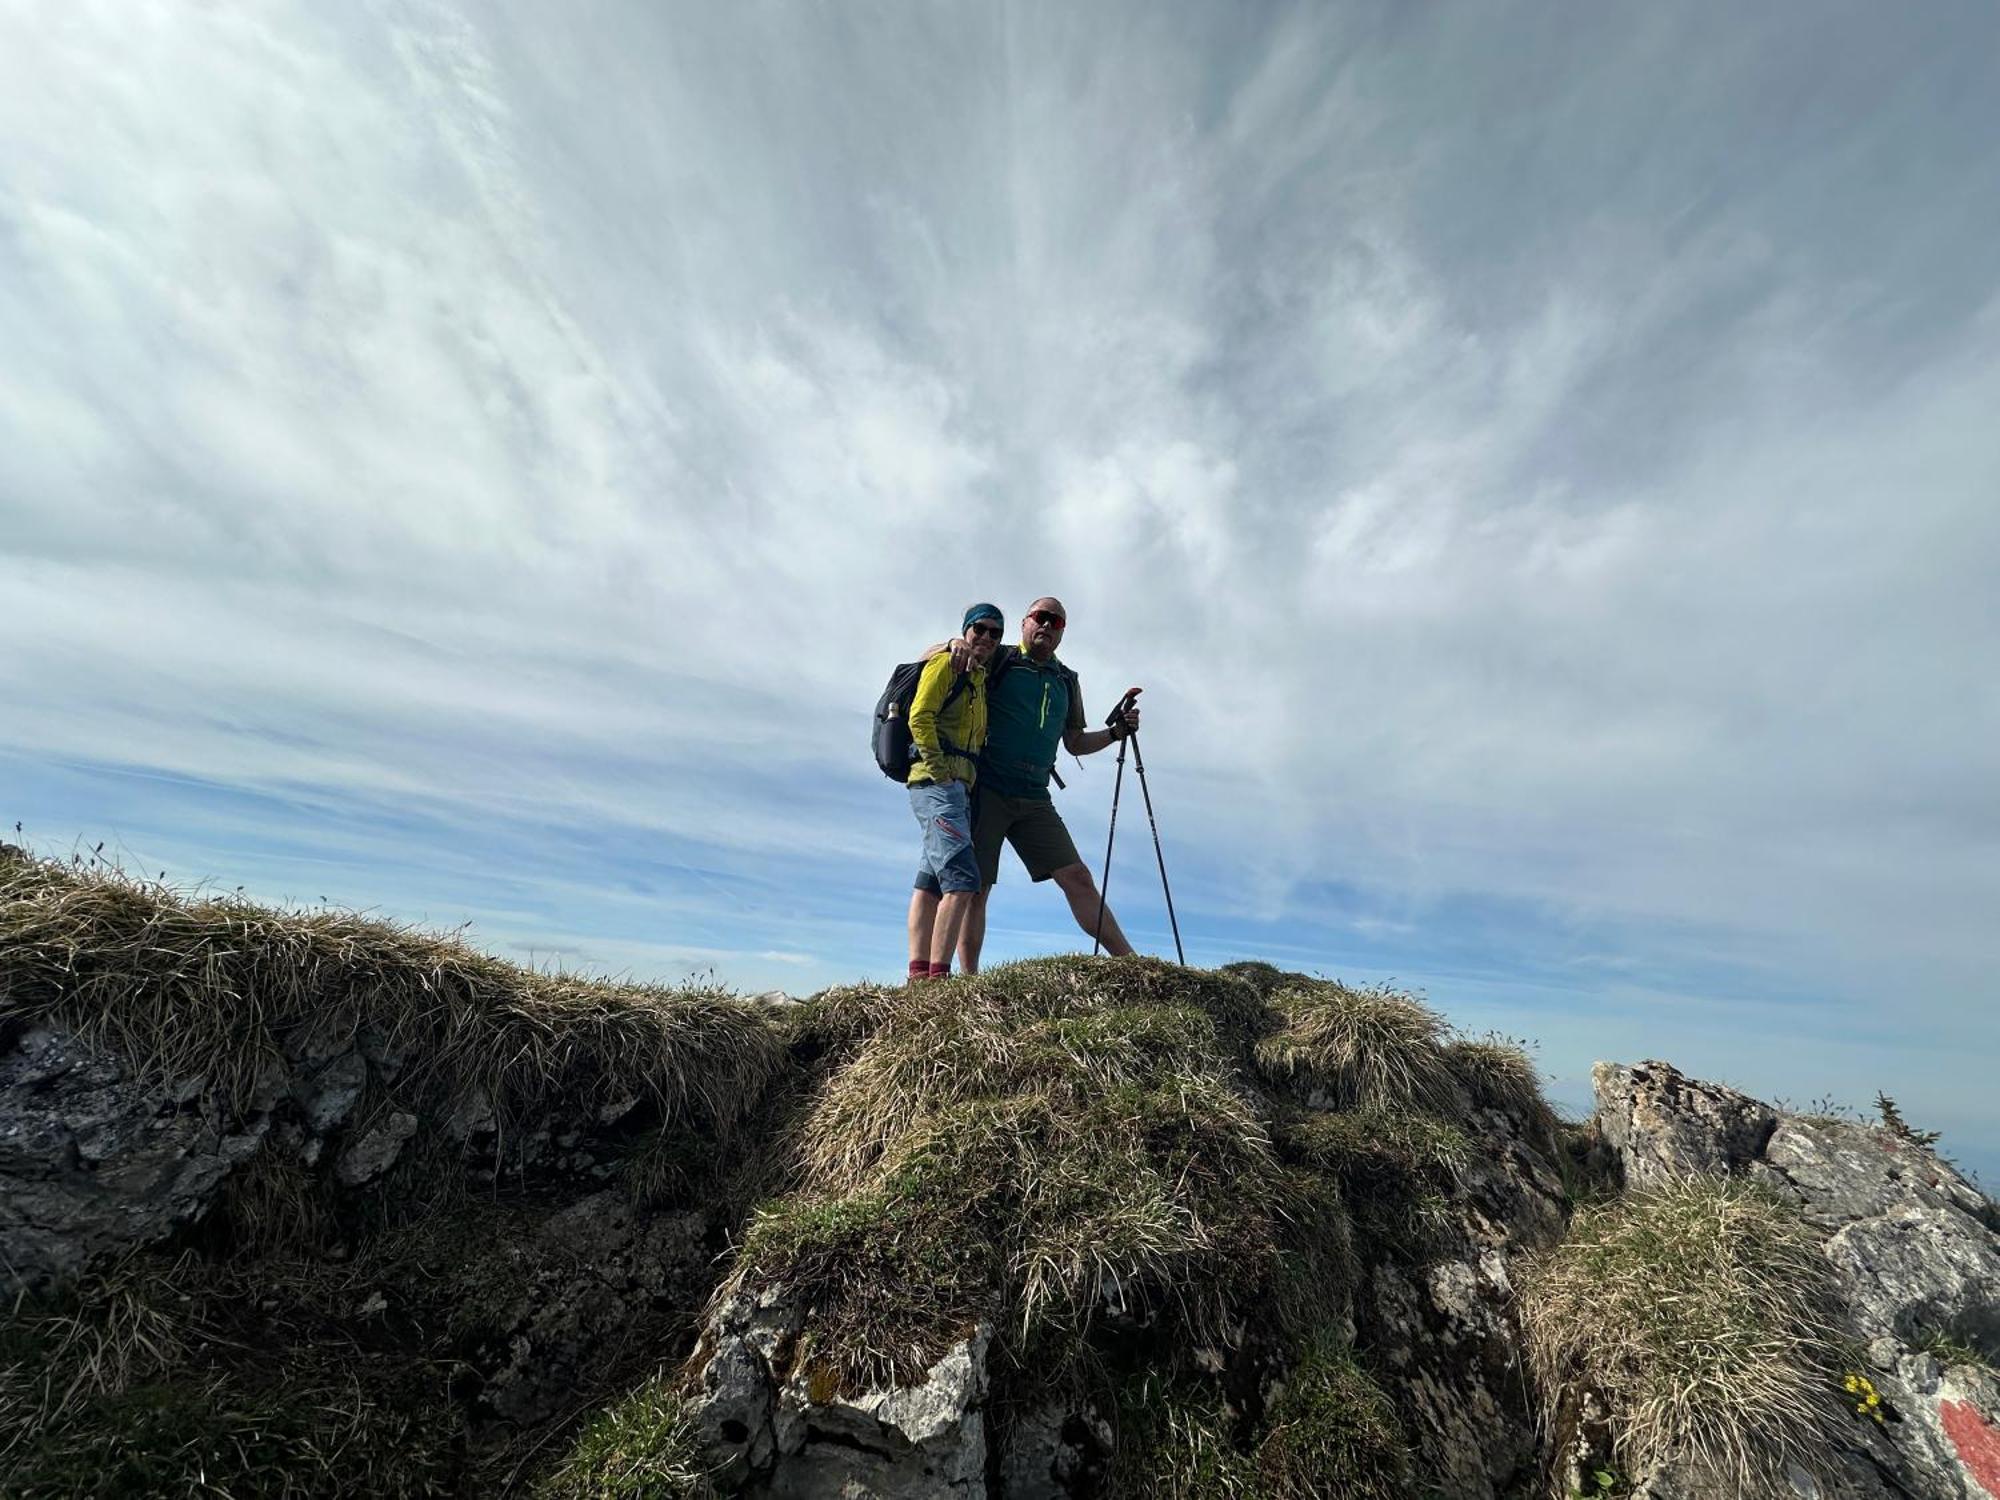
x: 940, y: 971
x: 920, y: 968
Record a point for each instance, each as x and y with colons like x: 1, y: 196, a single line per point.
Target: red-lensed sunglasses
x: 992, y: 631
x: 1043, y: 617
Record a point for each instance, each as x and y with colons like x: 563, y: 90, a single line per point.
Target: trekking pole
x: 1139, y: 760
x: 1104, y: 885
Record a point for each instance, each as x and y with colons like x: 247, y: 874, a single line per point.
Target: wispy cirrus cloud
x: 1539, y: 465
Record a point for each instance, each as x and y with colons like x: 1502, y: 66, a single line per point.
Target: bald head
x: 1042, y: 627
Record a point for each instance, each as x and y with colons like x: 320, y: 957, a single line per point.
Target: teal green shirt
x: 1029, y: 707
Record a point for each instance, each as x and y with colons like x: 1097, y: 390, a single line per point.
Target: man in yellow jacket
x: 947, y: 732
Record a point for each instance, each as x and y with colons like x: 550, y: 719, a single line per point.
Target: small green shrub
x: 1896, y: 1125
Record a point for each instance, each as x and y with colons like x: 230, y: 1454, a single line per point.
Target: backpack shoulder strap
x: 959, y: 684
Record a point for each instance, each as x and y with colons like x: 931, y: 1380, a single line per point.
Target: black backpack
x: 891, y: 736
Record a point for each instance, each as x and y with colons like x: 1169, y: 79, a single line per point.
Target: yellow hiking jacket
x: 963, y: 725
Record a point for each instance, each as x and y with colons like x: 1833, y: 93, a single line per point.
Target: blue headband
x: 980, y: 612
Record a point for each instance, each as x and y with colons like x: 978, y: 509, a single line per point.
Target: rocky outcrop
x: 1916, y: 1261
x: 1661, y: 1125
x: 94, y: 1163
x: 595, y: 1286
x: 544, y: 1304
x: 773, y: 1430
x: 1437, y: 1325
x: 98, y: 1160
x: 1444, y: 1334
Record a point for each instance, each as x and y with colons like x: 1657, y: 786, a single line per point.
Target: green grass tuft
x: 1333, y: 1432
x: 1176, y: 1442
x: 644, y: 1447
x: 1350, y: 1048
x: 1044, y: 1147
x: 114, y: 1390
x: 1700, y: 1310
x: 1330, y: 1435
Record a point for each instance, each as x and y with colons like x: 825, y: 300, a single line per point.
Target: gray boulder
x: 376, y: 1151
x: 770, y: 1433
x: 1916, y: 1259
x: 95, y: 1163
x: 1661, y: 1124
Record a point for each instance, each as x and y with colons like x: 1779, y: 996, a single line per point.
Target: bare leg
x: 972, y: 937
x: 950, y: 918
x: 923, y: 916
x: 1084, y: 905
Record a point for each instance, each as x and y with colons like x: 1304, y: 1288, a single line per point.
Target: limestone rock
x: 770, y: 1434
x: 1449, y: 1353
x: 927, y: 1439
x: 1663, y: 1124
x: 1916, y: 1259
x: 327, y: 1097
x: 94, y: 1163
x: 1053, y: 1453
x: 376, y: 1151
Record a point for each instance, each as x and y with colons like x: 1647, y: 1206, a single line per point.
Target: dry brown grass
x: 1360, y: 1047
x: 1042, y: 1147
x: 1701, y: 1311
x: 1499, y: 1074
x: 226, y: 991
x: 250, y: 1373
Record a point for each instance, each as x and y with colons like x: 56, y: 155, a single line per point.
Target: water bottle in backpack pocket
x: 890, y: 737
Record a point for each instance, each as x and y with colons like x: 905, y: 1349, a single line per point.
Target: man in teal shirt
x: 1034, y: 705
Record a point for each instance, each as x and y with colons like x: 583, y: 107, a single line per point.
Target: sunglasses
x: 990, y: 631
x: 1044, y: 617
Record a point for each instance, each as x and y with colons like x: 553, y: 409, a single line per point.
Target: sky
x: 477, y: 463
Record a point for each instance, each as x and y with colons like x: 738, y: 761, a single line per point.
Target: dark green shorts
x: 1031, y: 824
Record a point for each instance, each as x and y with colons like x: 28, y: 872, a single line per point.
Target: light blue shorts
x: 945, y: 815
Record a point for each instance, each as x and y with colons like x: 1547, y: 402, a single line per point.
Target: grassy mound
x: 225, y: 991
x: 1042, y: 1148
x: 1698, y: 1310
x: 1115, y: 1164
x: 244, y: 1359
